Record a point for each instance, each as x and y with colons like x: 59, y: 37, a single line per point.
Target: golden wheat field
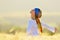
x: 23, y: 36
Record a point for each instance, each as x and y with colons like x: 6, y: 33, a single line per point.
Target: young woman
x: 34, y: 24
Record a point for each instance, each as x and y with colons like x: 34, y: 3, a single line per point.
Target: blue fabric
x: 37, y: 10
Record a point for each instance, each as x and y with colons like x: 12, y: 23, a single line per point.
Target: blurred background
x: 14, y: 14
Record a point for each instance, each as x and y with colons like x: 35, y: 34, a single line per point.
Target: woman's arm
x: 50, y: 28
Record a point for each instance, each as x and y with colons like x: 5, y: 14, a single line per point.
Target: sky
x: 22, y: 5
x: 20, y: 8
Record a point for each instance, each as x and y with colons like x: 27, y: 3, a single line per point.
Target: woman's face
x: 32, y: 13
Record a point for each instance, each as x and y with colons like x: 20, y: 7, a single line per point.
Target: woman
x: 34, y: 24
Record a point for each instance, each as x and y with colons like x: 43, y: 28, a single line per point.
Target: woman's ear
x: 39, y: 15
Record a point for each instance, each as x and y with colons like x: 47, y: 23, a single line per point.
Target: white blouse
x: 32, y: 28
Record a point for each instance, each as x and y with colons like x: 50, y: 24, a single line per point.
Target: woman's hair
x: 37, y: 11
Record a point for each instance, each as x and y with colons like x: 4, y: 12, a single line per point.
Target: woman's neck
x: 33, y: 18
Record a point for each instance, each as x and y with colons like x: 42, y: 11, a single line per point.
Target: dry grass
x: 23, y: 36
